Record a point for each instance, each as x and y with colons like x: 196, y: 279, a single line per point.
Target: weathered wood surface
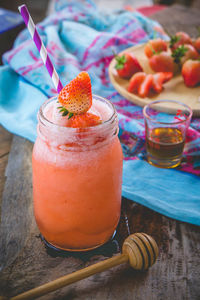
x: 27, y: 263
x: 179, y: 18
x: 16, y: 202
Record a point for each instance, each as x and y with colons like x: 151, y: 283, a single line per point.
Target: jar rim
x: 42, y: 117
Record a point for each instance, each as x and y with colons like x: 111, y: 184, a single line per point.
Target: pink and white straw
x: 41, y: 48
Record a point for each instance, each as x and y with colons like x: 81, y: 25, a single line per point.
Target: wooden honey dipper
x: 139, y: 250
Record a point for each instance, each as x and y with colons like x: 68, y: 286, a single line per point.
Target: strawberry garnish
x: 76, y: 96
x: 84, y: 120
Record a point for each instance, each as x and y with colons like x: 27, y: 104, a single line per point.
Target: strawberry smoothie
x: 77, y: 175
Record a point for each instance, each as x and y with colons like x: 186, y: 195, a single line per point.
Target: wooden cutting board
x: 175, y: 89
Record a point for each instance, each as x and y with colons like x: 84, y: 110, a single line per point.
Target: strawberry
x: 180, y: 38
x: 179, y: 53
x: 191, y: 53
x: 159, y: 79
x: 196, y: 44
x: 145, y: 86
x: 162, y: 62
x: 183, y: 53
x: 83, y: 120
x: 76, y: 96
x: 191, y: 72
x: 136, y: 81
x: 155, y: 46
x: 127, y: 65
x: 166, y: 76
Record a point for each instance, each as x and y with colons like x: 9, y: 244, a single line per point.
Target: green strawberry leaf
x: 65, y: 113
x: 178, y: 53
x: 174, y: 39
x: 70, y: 115
x: 121, y: 60
x: 63, y: 110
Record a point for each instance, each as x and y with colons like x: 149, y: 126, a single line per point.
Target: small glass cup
x: 165, y: 131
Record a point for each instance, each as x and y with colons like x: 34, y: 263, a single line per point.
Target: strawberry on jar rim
x: 76, y: 100
x: 84, y: 120
x: 76, y: 96
x: 127, y: 65
x: 191, y: 72
x: 180, y: 38
x: 155, y: 46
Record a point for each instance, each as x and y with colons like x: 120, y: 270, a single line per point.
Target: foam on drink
x: 51, y: 112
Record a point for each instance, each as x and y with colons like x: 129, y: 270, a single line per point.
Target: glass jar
x: 77, y: 178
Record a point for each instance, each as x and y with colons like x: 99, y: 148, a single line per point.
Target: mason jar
x: 77, y: 179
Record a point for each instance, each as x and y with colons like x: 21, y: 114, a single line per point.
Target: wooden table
x: 27, y: 263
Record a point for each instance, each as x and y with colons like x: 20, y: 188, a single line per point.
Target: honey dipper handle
x: 73, y: 277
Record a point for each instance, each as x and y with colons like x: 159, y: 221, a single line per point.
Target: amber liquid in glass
x: 165, y: 146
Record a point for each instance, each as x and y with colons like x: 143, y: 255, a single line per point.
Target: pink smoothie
x: 77, y: 177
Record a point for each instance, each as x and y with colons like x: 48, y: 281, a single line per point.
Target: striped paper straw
x: 41, y: 48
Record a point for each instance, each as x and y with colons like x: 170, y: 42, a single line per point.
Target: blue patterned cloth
x: 80, y: 37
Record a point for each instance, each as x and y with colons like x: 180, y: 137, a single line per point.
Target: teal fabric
x: 173, y: 194
x: 19, y: 104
